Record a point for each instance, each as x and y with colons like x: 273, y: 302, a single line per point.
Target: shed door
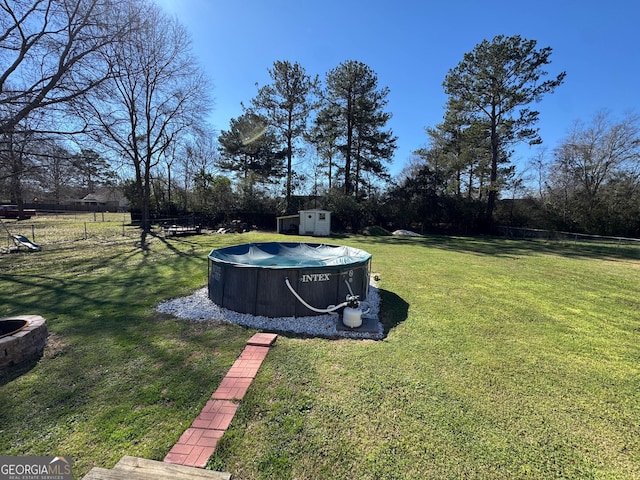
x: 309, y: 223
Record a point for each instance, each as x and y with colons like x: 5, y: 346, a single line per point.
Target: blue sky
x: 411, y: 45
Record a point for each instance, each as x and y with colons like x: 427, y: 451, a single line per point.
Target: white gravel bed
x: 199, y: 307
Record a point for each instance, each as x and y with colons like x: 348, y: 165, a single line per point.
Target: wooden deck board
x: 133, y: 468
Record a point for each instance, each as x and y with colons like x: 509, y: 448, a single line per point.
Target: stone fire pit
x: 22, y: 338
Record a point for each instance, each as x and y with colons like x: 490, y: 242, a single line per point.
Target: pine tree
x: 250, y: 148
x: 285, y: 105
x: 495, y: 83
x: 353, y: 109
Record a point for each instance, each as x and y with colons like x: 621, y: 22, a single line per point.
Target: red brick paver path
x: 199, y: 441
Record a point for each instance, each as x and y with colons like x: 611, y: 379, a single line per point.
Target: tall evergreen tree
x: 324, y: 135
x: 286, y: 104
x: 251, y: 149
x: 354, y: 107
x: 496, y: 82
x: 460, y: 146
x: 92, y: 170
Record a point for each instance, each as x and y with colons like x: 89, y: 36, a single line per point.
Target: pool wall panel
x: 216, y: 283
x: 240, y: 285
x: 273, y: 298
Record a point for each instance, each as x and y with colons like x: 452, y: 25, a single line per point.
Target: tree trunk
x: 289, y: 171
x: 347, y: 156
x: 146, y: 200
x: 16, y: 182
x: 493, y: 177
x: 357, y: 179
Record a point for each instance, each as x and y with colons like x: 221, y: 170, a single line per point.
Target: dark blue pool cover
x: 286, y: 255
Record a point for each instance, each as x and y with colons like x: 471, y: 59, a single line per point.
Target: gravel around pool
x: 199, y: 307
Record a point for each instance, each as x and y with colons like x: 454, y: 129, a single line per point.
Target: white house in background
x: 109, y: 197
x: 307, y: 222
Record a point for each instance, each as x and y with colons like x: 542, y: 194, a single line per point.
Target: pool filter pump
x: 352, y: 313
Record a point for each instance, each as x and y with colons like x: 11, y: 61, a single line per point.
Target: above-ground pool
x: 252, y: 278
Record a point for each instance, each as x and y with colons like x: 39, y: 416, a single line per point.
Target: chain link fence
x: 58, y: 228
x: 533, y: 233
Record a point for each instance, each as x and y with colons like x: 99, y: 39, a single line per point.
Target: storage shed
x: 288, y: 224
x: 307, y: 222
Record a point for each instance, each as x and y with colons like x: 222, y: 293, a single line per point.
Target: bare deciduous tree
x: 50, y: 53
x: 594, y: 153
x: 594, y: 158
x: 157, y: 95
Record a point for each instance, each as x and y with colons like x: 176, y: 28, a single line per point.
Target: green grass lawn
x: 504, y: 359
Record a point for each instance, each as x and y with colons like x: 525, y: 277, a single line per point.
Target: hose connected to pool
x: 352, y: 301
x: 329, y: 309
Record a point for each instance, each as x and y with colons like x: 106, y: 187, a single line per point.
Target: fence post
x: 85, y: 230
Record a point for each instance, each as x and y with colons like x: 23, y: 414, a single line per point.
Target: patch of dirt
x: 56, y: 346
